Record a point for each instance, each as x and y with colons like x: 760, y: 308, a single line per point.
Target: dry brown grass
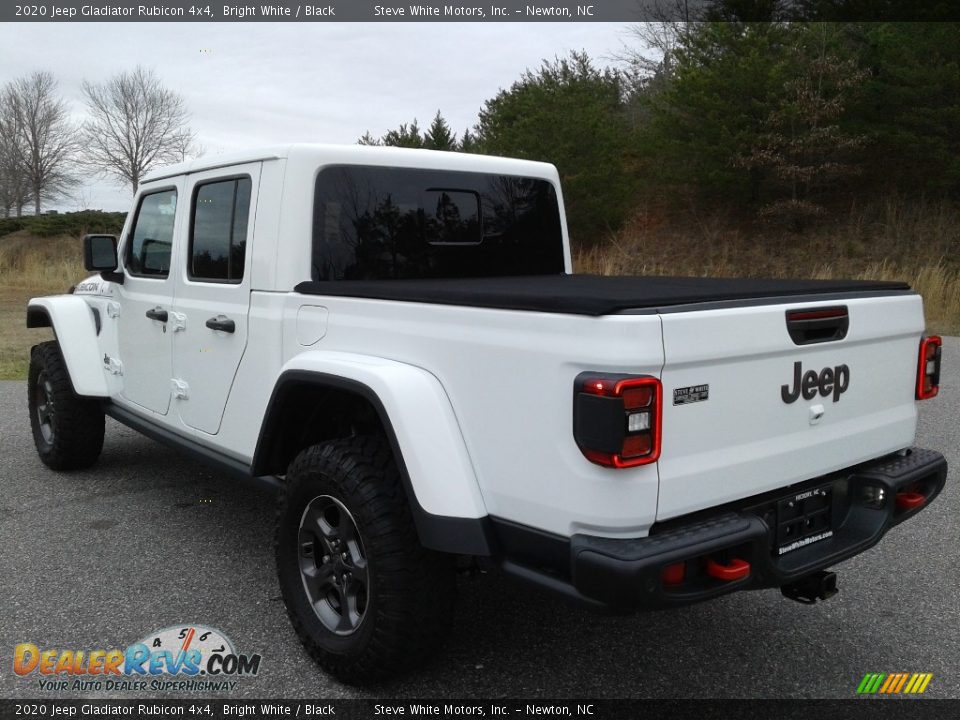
x: 31, y: 266
x: 41, y: 264
x: 16, y: 340
x: 891, y: 239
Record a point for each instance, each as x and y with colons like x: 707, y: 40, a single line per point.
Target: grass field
x: 16, y: 340
x: 887, y: 240
x: 31, y: 266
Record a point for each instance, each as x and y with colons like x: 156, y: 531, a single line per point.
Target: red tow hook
x: 910, y: 500
x: 736, y: 569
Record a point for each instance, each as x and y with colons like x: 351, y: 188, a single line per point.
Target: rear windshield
x: 375, y: 223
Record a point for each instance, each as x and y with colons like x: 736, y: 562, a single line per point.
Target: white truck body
x: 742, y: 442
x: 481, y: 398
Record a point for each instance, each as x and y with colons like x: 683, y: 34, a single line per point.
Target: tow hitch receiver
x: 819, y: 586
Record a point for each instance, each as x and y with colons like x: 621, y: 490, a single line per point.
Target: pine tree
x: 572, y: 114
x: 439, y: 136
x: 468, y: 142
x: 408, y: 136
x: 803, y: 151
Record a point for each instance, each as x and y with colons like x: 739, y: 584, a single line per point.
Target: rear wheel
x: 67, y: 428
x: 365, y: 598
x: 333, y: 565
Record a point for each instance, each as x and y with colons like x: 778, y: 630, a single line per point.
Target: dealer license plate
x: 804, y: 518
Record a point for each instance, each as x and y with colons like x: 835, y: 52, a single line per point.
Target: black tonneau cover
x: 588, y: 294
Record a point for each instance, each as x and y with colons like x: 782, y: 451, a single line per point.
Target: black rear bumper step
x: 628, y: 574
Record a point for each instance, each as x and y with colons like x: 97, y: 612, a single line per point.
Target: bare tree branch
x: 651, y: 53
x: 37, y: 142
x: 135, y: 124
x: 14, y: 192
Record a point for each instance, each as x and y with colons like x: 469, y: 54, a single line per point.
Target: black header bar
x: 201, y: 11
x: 871, y: 708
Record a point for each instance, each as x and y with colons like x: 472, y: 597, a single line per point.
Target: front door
x: 213, y: 291
x: 146, y: 300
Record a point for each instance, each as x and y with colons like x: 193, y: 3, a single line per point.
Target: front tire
x: 365, y: 598
x: 67, y: 428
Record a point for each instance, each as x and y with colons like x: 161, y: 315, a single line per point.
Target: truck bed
x: 592, y: 294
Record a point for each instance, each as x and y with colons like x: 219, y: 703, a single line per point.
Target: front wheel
x: 67, y: 428
x: 365, y: 598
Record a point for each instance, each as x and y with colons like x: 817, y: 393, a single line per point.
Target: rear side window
x: 218, y: 232
x: 152, y: 236
x: 374, y: 223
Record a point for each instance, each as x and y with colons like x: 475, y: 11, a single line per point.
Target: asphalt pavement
x: 150, y: 539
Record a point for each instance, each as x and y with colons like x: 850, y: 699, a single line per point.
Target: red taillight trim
x: 613, y: 460
x: 614, y: 388
x: 922, y: 392
x: 656, y: 408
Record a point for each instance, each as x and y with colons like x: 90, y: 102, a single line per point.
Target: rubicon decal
x: 894, y: 683
x: 828, y: 381
x: 182, y: 651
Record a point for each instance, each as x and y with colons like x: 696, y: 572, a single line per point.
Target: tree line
x: 780, y: 121
x: 132, y: 124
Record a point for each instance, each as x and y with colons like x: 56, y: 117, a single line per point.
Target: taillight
x: 928, y: 370
x: 616, y: 418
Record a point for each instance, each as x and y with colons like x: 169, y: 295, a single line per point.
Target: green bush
x: 76, y: 224
x: 9, y: 225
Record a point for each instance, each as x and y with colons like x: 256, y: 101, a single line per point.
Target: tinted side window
x: 373, y: 223
x: 218, y: 236
x: 151, y: 240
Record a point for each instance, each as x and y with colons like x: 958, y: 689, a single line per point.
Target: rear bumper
x: 866, y: 501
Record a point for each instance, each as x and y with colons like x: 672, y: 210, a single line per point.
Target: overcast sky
x: 264, y: 83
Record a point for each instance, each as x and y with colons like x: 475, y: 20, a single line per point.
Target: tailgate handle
x: 817, y: 325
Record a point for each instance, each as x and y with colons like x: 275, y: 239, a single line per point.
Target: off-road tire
x: 410, y: 589
x: 67, y: 428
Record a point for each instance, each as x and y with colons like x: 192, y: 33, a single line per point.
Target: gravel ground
x: 149, y: 539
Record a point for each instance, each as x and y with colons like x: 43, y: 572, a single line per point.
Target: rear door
x: 749, y: 408
x: 213, y: 292
x: 146, y: 296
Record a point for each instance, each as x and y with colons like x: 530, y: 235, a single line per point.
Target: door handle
x: 222, y: 323
x: 157, y: 313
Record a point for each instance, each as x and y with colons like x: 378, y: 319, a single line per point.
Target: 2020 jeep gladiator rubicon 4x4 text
x: 396, y: 338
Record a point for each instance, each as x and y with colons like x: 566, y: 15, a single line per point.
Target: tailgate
x: 737, y: 423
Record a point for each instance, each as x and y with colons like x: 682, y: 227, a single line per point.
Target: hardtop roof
x: 324, y: 154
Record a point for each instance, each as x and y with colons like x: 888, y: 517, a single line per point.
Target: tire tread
x: 417, y: 583
x: 79, y: 428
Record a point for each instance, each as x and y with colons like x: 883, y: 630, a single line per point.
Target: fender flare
x: 76, y: 329
x: 423, y: 432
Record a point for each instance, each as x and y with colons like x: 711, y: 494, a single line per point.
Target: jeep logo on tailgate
x: 829, y: 380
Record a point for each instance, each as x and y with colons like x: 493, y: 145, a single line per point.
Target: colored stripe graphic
x: 887, y: 683
x: 901, y: 682
x: 870, y: 683
x: 894, y: 683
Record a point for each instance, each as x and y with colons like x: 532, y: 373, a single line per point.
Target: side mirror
x: 100, y: 252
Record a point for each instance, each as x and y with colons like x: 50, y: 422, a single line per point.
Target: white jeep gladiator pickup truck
x: 395, y: 337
